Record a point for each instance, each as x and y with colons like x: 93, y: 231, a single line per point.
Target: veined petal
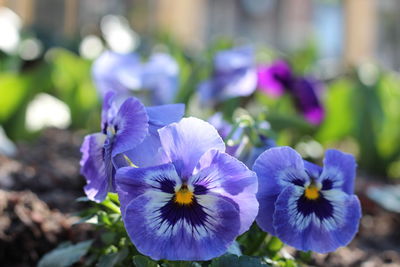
x: 133, y: 182
x: 276, y: 168
x: 320, y: 226
x: 93, y: 167
x: 339, y: 171
x: 223, y: 174
x: 131, y: 126
x: 186, y: 141
x: 162, y: 229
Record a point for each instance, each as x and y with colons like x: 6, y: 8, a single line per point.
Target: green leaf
x: 13, y: 89
x: 65, y: 255
x: 274, y: 245
x: 235, y: 261
x: 112, y: 259
x: 142, y: 261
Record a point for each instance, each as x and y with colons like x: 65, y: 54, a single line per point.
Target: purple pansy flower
x: 306, y: 92
x: 129, y: 135
x: 156, y: 80
x: 194, y: 205
x: 117, y: 72
x: 234, y: 75
x: 306, y: 206
x: 161, y: 75
x: 124, y: 125
x: 274, y: 79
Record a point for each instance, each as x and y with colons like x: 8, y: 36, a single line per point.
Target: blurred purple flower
x: 306, y: 206
x: 234, y: 75
x: 274, y: 79
x: 125, y: 73
x: 306, y: 93
x: 224, y: 128
x: 194, y: 205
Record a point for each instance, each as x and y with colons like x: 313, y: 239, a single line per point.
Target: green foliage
x: 65, y: 254
x: 235, y: 261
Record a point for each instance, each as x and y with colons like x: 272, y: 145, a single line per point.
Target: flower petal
x: 133, y: 182
x: 340, y: 170
x: 223, y: 174
x: 276, y: 168
x: 165, y: 114
x: 131, y: 125
x: 164, y: 230
x: 116, y: 72
x: 186, y: 141
x: 93, y: 167
x: 321, y: 233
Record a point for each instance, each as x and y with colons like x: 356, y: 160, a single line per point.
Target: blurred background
x: 47, y: 48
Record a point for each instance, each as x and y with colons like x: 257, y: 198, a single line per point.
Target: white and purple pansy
x: 127, y: 127
x: 306, y: 206
x: 194, y: 204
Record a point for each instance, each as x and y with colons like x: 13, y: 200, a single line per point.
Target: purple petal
x: 225, y: 175
x: 306, y: 93
x: 133, y: 182
x: 276, y: 168
x: 93, y: 167
x: 237, y: 58
x: 165, y: 114
x: 161, y: 75
x: 131, y: 126
x: 162, y: 229
x: 340, y: 170
x: 311, y: 231
x: 313, y: 170
x: 274, y: 79
x: 186, y: 141
x: 116, y: 72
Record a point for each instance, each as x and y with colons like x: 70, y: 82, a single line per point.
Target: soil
x: 38, y: 188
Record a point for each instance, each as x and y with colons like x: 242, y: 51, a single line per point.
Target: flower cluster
x: 184, y: 195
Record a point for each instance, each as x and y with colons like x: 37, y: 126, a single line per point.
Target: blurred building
x: 348, y: 30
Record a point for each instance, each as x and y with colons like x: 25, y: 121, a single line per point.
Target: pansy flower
x: 234, y: 75
x: 306, y: 206
x: 274, y: 79
x: 306, y: 93
x: 155, y: 81
x: 116, y: 72
x: 194, y: 205
x: 128, y: 130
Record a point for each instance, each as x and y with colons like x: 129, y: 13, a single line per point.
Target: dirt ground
x: 39, y: 186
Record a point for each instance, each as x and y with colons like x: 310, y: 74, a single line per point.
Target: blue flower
x: 127, y: 127
x: 155, y: 81
x: 117, y: 72
x: 234, y: 75
x: 194, y: 205
x: 306, y: 206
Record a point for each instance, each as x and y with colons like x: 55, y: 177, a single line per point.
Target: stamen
x: 311, y: 192
x: 184, y: 196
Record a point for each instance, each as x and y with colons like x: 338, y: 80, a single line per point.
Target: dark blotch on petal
x: 298, y: 182
x: 200, y: 189
x: 327, y: 184
x: 166, y: 185
x: 321, y: 207
x: 194, y: 213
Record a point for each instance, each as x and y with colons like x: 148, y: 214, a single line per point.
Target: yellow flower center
x: 184, y: 196
x: 312, y: 192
